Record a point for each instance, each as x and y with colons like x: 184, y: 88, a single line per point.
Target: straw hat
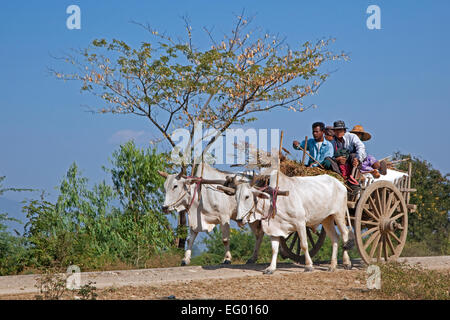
x: 359, y: 130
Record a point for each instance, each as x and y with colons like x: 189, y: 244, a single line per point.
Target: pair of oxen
x: 225, y: 196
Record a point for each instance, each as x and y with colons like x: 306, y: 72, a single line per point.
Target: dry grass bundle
x: 292, y: 168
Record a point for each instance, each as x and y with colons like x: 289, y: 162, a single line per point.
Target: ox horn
x: 163, y: 174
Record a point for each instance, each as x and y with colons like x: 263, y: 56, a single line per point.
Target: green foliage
x: 136, y: 180
x: 429, y: 226
x: 12, y: 248
x: 84, y: 229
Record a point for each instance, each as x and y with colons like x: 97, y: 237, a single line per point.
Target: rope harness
x: 198, y: 181
x: 268, y: 189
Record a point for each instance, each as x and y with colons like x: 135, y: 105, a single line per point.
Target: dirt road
x: 221, y: 282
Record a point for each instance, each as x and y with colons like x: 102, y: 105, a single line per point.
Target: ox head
x: 177, y: 192
x: 247, y: 196
x: 246, y: 202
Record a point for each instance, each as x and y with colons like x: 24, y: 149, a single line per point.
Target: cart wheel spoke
x: 298, y: 246
x: 370, y: 240
x: 375, y: 244
x: 293, y: 241
x: 391, y: 245
x: 389, y: 200
x: 290, y: 246
x: 392, y: 210
x: 380, y: 248
x: 310, y: 237
x: 370, y: 222
x: 395, y: 236
x: 289, y: 236
x: 397, y: 216
x: 371, y: 214
x: 374, y: 207
x: 369, y: 231
x: 378, y: 202
x: 386, y: 257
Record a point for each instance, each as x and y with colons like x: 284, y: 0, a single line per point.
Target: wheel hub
x: 387, y: 225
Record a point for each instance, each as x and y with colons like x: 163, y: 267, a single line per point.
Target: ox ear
x: 163, y: 174
x: 260, y: 194
x: 182, y: 173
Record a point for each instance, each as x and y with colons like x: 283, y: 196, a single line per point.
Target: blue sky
x: 396, y: 84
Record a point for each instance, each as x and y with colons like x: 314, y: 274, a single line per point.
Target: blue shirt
x: 326, y: 150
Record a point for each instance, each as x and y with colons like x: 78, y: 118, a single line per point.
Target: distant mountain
x: 14, y: 210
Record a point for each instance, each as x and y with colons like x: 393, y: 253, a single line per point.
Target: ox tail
x: 351, y: 235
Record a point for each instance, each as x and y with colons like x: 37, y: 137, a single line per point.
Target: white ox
x: 311, y: 201
x: 214, y: 208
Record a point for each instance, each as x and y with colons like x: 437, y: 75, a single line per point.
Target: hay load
x: 292, y: 168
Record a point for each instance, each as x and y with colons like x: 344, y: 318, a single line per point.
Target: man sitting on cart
x: 350, y: 142
x: 318, y: 147
x: 354, y: 155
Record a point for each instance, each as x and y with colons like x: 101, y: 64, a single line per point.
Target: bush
x: 12, y: 247
x: 83, y: 228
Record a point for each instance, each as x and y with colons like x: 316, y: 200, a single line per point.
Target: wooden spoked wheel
x: 381, y: 223
x: 290, y: 247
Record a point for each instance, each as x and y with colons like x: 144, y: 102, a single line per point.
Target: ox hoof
x: 348, y: 266
x: 268, y: 271
x: 250, y: 261
x: 309, y: 269
x: 226, y: 262
x: 331, y: 269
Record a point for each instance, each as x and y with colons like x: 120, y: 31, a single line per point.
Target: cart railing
x: 404, y: 186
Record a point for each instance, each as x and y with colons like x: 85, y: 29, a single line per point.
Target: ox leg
x: 225, y: 228
x: 187, y: 255
x: 259, y: 234
x: 273, y: 264
x: 328, y: 224
x: 340, y: 222
x: 304, y: 245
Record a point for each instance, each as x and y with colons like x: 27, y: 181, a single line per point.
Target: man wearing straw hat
x: 370, y: 164
x: 350, y: 142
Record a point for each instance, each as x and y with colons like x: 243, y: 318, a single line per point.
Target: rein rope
x: 198, y: 181
x: 274, y: 192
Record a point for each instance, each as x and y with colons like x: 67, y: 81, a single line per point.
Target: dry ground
x: 224, y: 282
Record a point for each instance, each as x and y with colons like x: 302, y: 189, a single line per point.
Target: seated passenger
x: 348, y: 141
x: 370, y: 164
x: 329, y: 133
x: 317, y: 147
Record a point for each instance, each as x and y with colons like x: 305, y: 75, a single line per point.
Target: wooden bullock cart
x: 379, y: 215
